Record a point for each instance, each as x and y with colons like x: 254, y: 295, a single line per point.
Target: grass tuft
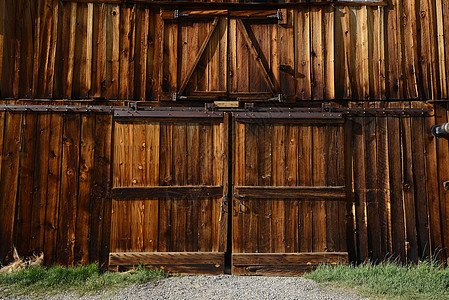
x: 80, y: 280
x: 425, y: 280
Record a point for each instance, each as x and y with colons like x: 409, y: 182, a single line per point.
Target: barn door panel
x: 289, y: 197
x: 194, y: 60
x: 169, y: 195
x: 261, y: 55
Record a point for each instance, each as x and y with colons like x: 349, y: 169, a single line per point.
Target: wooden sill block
x: 226, y: 104
x: 283, y: 264
x: 207, y: 263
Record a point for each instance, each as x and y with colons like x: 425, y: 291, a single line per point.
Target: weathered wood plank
x: 69, y: 190
x: 86, y: 163
x: 162, y: 258
x: 304, y: 258
x: 293, y: 192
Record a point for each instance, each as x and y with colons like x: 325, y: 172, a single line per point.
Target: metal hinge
x: 279, y: 98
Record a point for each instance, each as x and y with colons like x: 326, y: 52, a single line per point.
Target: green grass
x: 80, y: 280
x: 425, y: 280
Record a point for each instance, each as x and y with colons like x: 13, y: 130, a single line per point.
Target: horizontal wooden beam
x: 287, y: 115
x: 264, y: 192
x: 162, y: 258
x: 283, y: 264
x: 303, y: 258
x: 226, y: 5
x: 166, y: 192
x: 211, y: 263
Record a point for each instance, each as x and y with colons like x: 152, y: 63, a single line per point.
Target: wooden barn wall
x: 55, y: 182
x: 54, y: 186
x: 54, y: 49
x: 398, y: 171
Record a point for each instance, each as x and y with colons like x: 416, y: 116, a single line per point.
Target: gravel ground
x: 222, y: 287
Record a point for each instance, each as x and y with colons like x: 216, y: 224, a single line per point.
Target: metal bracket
x: 132, y: 106
x: 177, y: 14
x: 279, y: 98
x: 277, y: 15
x: 249, y: 106
x: 209, y: 106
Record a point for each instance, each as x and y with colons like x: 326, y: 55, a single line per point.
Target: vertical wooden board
x: 445, y: 9
x: 69, y: 190
x: 372, y: 189
x: 286, y: 52
x: 151, y: 219
x: 80, y: 53
x: 69, y: 62
x: 317, y: 51
x: 232, y: 48
x: 111, y: 81
x: 254, y: 73
x: 193, y: 178
x: 223, y: 64
x: 291, y: 177
x: 395, y: 175
x: 43, y: 48
x: 374, y: 54
x: 383, y: 183
x: 101, y: 205
x: 213, y: 52
x: 264, y: 167
x: 362, y: 53
x: 179, y: 205
x: 394, y: 51
x: 359, y: 188
x: 141, y: 53
x: 440, y: 31
x: 251, y: 214
x: 408, y: 190
x: 115, y: 229
x: 172, y: 31
x: 419, y: 171
x: 433, y: 188
x: 27, y: 205
x: 341, y: 51
x: 50, y: 74
x: 206, y: 159
x: 98, y: 51
x: 150, y: 54
x: 278, y: 173
x: 165, y: 178
x: 201, y: 69
x: 425, y: 50
x: 319, y: 179
x: 103, y: 148
x: 239, y: 179
x: 125, y: 40
x: 305, y: 147
x: 119, y: 151
x: 25, y: 37
x: 83, y: 218
x: 2, y: 35
x: 331, y: 172
x: 136, y: 211
x: 218, y: 176
x: 410, y: 49
x: 242, y: 63
x: 40, y: 182
x: 158, y: 53
x: 443, y: 175
x: 329, y: 51
x: 53, y: 187
x: 36, y: 45
x: 9, y: 180
x: 8, y: 49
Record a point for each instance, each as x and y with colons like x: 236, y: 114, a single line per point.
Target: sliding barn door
x: 170, y: 193
x: 288, y: 210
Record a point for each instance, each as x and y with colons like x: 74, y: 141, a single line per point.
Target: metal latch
x: 177, y: 14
